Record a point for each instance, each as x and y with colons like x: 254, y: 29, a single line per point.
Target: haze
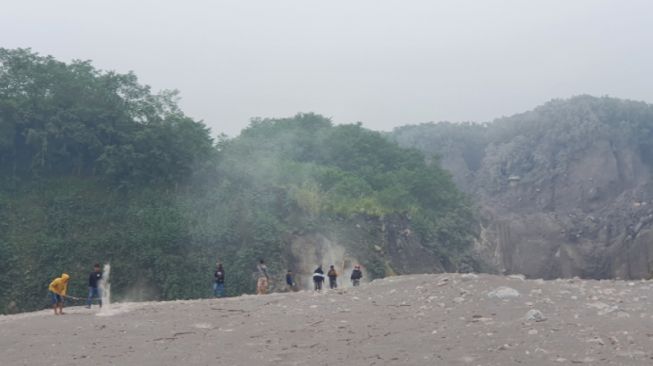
x: 385, y: 63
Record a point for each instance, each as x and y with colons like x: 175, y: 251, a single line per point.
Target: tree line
x: 96, y: 167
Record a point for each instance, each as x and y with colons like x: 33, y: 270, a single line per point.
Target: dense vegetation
x: 97, y: 168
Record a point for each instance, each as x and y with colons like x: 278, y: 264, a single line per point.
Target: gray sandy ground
x: 445, y: 319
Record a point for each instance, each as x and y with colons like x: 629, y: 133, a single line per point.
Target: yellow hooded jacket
x: 59, y: 285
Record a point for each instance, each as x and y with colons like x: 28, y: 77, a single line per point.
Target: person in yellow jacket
x: 58, y: 288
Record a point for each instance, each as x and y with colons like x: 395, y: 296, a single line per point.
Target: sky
x: 382, y: 63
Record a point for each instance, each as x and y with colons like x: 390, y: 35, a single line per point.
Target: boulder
x: 503, y: 293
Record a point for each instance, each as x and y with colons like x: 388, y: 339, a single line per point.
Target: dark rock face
x: 582, y: 222
x: 565, y: 190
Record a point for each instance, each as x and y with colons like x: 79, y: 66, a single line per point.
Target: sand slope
x: 445, y: 319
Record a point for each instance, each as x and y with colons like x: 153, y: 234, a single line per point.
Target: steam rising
x: 310, y: 253
x: 105, y: 288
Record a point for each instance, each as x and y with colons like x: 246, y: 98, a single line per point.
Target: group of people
x: 263, y: 278
x: 58, y: 290
x: 261, y: 284
x: 319, y: 277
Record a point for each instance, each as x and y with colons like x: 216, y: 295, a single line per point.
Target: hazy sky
x: 384, y: 63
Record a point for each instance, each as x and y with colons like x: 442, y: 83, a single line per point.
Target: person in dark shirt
x: 290, y: 281
x: 356, y: 276
x: 318, y: 278
x: 93, y: 286
x: 218, y: 285
x: 333, y: 275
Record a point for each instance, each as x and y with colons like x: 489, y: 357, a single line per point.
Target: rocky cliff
x: 564, y: 190
x: 385, y: 246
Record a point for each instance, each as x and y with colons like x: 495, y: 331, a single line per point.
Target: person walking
x: 318, y: 278
x: 333, y: 275
x: 356, y: 276
x: 93, y: 286
x: 218, y: 283
x: 58, y: 288
x: 263, y: 278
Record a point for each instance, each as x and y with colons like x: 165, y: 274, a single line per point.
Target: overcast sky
x: 384, y: 63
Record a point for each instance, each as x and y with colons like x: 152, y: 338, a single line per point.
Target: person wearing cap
x: 356, y: 276
x: 58, y: 288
